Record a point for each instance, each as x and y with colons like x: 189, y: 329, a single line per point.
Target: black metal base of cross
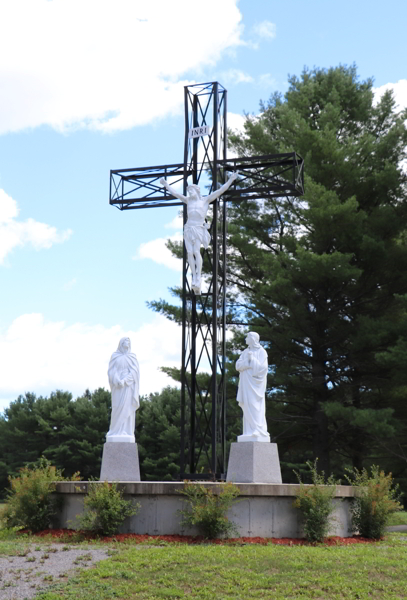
x: 203, y: 363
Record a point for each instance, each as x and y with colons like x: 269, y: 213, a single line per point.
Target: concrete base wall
x: 264, y: 510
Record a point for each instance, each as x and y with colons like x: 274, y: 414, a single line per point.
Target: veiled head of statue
x: 124, y: 345
x: 253, y: 339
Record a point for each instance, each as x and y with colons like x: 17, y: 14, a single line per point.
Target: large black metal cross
x: 203, y: 368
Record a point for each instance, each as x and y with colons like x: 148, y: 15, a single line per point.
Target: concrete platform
x: 264, y: 510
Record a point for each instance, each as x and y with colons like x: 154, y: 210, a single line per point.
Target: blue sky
x: 92, y: 85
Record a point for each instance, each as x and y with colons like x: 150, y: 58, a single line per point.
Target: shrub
x: 3, y: 508
x: 377, y: 498
x: 30, y: 502
x: 315, y: 503
x: 207, y: 511
x: 105, y: 509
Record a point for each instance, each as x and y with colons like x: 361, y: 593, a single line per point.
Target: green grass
x: 211, y: 572
x: 246, y: 572
x: 398, y: 518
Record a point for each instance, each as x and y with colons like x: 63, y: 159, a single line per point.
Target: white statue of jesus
x: 251, y: 396
x: 124, y: 380
x: 196, y: 229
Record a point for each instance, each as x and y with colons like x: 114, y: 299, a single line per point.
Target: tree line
x: 71, y: 433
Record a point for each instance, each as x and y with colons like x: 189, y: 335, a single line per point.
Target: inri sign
x: 198, y: 131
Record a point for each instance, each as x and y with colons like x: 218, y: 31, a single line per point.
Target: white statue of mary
x: 251, y: 396
x: 124, y: 379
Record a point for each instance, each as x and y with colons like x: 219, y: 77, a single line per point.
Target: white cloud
x: 105, y: 64
x: 399, y: 89
x: 234, y: 76
x: 176, y: 223
x: 267, y: 80
x: 69, y: 285
x: 14, y: 233
x: 236, y: 122
x: 41, y: 356
x: 400, y: 95
x: 265, y: 29
x: 157, y: 251
x: 4, y: 402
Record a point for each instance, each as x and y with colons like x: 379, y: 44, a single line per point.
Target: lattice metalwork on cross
x: 203, y: 362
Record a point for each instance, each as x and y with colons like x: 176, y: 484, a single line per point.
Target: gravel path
x: 22, y: 577
x: 402, y: 528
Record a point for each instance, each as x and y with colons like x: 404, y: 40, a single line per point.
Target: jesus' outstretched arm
x: 171, y: 190
x: 222, y: 189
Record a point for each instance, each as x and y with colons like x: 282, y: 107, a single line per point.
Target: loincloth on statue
x: 194, y: 233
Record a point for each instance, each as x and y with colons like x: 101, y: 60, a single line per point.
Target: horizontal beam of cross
x: 259, y: 177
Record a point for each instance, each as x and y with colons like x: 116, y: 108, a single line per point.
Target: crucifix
x: 203, y: 362
x: 196, y: 227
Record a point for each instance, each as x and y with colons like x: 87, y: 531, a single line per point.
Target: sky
x: 92, y: 85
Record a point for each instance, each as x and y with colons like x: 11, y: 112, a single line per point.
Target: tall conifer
x: 324, y: 277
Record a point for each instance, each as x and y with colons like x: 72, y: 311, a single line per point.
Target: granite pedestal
x: 120, y: 462
x: 254, y: 462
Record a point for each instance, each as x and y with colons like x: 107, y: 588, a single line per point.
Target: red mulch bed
x: 188, y: 539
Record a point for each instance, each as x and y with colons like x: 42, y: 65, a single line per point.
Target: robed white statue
x: 124, y: 379
x: 251, y: 396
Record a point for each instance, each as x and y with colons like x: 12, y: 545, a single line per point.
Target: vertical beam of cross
x: 203, y: 404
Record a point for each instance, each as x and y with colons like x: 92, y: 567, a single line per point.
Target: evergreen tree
x: 75, y: 433
x: 69, y: 433
x: 158, y: 435
x: 323, y: 278
x: 19, y: 442
x: 327, y: 273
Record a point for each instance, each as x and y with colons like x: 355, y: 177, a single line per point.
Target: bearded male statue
x: 251, y: 461
x: 196, y: 229
x: 251, y: 396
